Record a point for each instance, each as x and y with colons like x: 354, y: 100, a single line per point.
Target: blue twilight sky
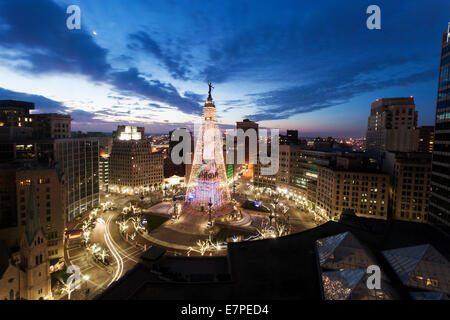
x: 311, y: 66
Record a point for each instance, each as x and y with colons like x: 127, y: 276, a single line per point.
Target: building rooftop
x: 16, y: 104
x: 281, y: 268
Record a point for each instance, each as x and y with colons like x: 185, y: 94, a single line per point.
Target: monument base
x: 189, y: 208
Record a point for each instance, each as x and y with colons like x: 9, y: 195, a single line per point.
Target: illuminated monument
x: 207, y: 185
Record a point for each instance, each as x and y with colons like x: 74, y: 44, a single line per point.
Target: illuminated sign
x: 130, y: 133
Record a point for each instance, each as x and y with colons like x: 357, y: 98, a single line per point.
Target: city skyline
x: 121, y: 178
x: 282, y: 65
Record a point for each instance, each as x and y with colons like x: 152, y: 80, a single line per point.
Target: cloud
x: 199, y: 98
x: 155, y: 105
x: 37, y: 29
x: 46, y: 105
x: 304, y: 57
x: 41, y: 103
x: 131, y: 82
x: 177, y: 67
x: 334, y: 91
x: 285, y: 40
x: 80, y: 116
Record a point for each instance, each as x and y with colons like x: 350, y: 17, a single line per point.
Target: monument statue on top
x: 208, y: 181
x: 210, y: 88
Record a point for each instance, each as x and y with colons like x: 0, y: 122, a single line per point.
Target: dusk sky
x: 310, y: 66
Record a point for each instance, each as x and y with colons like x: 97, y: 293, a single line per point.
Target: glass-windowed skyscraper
x: 439, y: 206
x: 78, y: 159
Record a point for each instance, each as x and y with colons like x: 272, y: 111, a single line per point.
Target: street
x: 121, y: 250
x: 122, y: 254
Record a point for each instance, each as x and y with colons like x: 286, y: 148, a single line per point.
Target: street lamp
x: 165, y: 191
x: 174, y: 199
x: 209, y: 218
x: 271, y: 216
x: 275, y: 202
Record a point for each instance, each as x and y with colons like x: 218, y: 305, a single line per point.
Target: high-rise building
x: 306, y: 172
x: 425, y: 138
x: 79, y: 160
x: 15, y: 119
x: 287, y: 157
x: 440, y: 174
x: 171, y: 168
x: 391, y: 126
x: 133, y: 167
x: 48, y: 142
x: 363, y: 190
x: 291, y: 138
x: 298, y: 172
x: 51, y: 125
x: 26, y: 149
x: 103, y: 171
x: 247, y: 125
x: 15, y: 113
x: 410, y: 178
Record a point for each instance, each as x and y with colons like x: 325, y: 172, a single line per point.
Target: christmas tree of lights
x: 208, y: 181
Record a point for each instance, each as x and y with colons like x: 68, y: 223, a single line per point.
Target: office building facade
x: 250, y: 157
x: 439, y: 208
x: 391, y: 126
x: 79, y: 160
x: 134, y: 168
x: 103, y: 171
x: 410, y: 177
x: 425, y: 139
x: 364, y: 192
x: 51, y: 126
x: 16, y: 122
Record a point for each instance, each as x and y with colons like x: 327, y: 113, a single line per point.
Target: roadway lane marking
x: 124, y: 253
x: 86, y: 269
x: 113, y: 250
